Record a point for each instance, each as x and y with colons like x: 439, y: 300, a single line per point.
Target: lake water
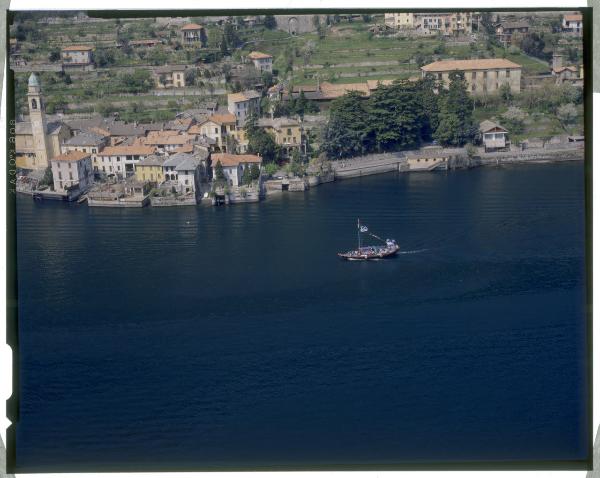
x: 234, y: 336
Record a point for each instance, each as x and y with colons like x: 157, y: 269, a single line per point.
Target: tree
x: 456, y: 126
x: 533, y: 44
x: 246, y: 177
x: 505, y: 93
x: 295, y: 166
x: 270, y: 22
x: 54, y: 55
x: 514, y: 119
x: 396, y: 117
x: 223, y: 46
x: 254, y: 172
x: 48, y: 178
x: 219, y: 174
x: 190, y: 76
x: 346, y: 133
x: 261, y: 142
x: 429, y: 100
x: 567, y: 114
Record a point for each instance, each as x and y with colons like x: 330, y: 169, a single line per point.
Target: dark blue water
x: 234, y: 335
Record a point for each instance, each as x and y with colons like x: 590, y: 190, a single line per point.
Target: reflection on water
x: 234, y: 335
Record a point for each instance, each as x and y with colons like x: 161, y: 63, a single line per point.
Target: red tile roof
x: 71, y: 156
x: 229, y: 160
x: 483, y: 64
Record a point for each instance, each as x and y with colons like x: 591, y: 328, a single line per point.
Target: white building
x: 121, y: 160
x: 243, y: 105
x: 573, y: 23
x: 233, y: 165
x: 493, y: 136
x: 262, y: 61
x: 70, y: 170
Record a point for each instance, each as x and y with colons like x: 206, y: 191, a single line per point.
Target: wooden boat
x: 365, y: 253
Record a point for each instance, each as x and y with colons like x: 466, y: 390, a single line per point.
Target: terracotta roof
x: 172, y: 139
x: 125, y: 150
x: 560, y: 69
x: 71, y: 156
x: 234, y: 159
x: 243, y: 96
x: 576, y: 17
x: 222, y: 118
x: 77, y: 48
x: 330, y: 90
x: 257, y: 55
x: 192, y: 26
x: 186, y: 148
x: 484, y: 64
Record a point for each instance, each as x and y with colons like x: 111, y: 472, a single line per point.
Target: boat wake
x: 416, y: 251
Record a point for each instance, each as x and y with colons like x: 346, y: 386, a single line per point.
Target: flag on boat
x: 364, y: 229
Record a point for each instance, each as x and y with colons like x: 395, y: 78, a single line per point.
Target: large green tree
x: 456, y: 126
x: 396, y: 117
x: 346, y: 133
x: 261, y: 142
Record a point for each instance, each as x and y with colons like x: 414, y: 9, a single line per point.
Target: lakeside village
x: 171, y: 111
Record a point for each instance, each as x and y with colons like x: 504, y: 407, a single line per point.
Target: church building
x: 38, y: 140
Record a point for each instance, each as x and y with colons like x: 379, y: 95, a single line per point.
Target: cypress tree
x: 456, y: 126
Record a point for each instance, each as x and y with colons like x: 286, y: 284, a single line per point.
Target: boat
x: 365, y: 253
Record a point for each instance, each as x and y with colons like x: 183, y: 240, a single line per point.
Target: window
x: 508, y: 73
x: 289, y: 132
x: 216, y: 130
x: 33, y: 104
x: 59, y: 175
x: 94, y: 150
x: 71, y: 176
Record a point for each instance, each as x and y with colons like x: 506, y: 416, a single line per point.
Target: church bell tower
x: 37, y: 118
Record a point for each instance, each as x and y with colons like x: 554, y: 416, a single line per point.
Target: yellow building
x: 483, y: 76
x: 150, y: 169
x: 288, y: 133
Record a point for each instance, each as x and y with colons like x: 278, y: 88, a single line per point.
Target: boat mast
x: 359, y: 234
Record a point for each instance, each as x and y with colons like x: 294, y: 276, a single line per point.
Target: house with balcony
x: 573, y: 23
x: 170, y: 76
x: 193, y: 34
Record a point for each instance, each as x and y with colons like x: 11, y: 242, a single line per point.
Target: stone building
x: 483, y: 76
x: 37, y: 140
x: 295, y: 24
x: 76, y: 55
x: 170, y: 76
